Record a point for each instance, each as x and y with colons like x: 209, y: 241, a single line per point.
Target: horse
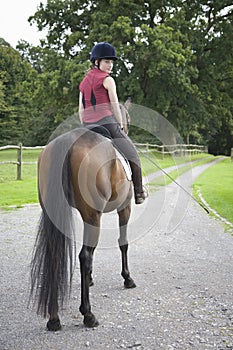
x: 78, y: 170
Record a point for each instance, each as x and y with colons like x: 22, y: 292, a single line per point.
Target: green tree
x: 211, y: 36
x: 55, y: 93
x: 14, y: 99
x: 170, y: 59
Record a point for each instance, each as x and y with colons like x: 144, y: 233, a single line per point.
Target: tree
x: 55, y: 93
x: 211, y: 38
x: 13, y: 106
x: 149, y: 52
x: 170, y: 59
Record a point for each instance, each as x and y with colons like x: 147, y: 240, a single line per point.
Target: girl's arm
x: 80, y: 107
x: 109, y: 84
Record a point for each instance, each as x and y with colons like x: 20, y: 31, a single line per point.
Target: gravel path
x: 180, y: 258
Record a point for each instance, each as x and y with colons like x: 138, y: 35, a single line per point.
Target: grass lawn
x: 216, y: 186
x: 17, y: 193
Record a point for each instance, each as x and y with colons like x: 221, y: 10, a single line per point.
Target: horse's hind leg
x: 91, y: 235
x: 91, y: 282
x: 124, y: 215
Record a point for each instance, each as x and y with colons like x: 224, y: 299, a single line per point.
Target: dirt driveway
x: 180, y: 258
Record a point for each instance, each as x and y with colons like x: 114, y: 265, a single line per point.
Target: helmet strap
x: 97, y: 65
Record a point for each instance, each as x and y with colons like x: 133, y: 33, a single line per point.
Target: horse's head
x: 125, y: 115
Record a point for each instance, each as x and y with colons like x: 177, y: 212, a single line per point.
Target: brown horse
x: 79, y: 170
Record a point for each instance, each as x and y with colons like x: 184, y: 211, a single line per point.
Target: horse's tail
x: 54, y: 252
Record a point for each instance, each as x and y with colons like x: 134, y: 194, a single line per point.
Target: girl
x: 98, y: 104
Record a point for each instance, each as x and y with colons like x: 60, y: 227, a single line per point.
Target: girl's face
x: 106, y: 65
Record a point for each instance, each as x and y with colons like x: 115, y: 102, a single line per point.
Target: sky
x: 13, y: 21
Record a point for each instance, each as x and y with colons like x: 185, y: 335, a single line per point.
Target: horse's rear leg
x: 124, y: 215
x: 91, y: 236
x: 91, y: 282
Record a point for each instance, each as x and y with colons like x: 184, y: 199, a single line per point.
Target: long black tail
x: 54, y: 253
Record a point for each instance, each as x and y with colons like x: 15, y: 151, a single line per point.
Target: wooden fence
x: 19, y: 162
x: 178, y: 149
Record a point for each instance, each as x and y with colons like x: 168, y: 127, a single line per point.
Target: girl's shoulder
x: 109, y: 82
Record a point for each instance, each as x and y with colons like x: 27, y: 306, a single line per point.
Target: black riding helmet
x: 103, y: 50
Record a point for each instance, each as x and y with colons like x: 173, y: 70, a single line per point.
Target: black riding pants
x: 126, y: 146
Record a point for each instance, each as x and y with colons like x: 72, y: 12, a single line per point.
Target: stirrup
x: 141, y: 196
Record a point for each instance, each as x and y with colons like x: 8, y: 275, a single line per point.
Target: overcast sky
x: 13, y: 21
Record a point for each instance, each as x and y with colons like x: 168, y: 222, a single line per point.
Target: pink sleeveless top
x: 96, y: 101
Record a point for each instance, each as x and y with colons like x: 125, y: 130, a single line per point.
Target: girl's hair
x: 91, y: 66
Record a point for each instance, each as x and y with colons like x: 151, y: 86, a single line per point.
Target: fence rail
x: 178, y: 149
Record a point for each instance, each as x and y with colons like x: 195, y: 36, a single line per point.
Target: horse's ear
x: 127, y: 103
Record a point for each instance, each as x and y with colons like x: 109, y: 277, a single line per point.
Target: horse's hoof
x: 53, y: 325
x: 129, y: 283
x: 90, y: 321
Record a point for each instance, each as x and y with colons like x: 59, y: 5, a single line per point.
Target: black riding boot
x: 139, y: 194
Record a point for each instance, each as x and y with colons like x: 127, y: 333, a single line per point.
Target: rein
x: 173, y: 180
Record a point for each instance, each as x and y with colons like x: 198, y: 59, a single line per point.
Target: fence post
x: 162, y: 152
x: 19, y: 162
x: 232, y: 154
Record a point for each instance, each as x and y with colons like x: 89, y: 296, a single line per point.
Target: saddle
x: 100, y: 129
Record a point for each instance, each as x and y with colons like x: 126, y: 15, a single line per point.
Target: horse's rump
x: 98, y: 177
x: 81, y: 167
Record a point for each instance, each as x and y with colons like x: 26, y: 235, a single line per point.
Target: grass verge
x: 216, y: 187
x: 164, y: 180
